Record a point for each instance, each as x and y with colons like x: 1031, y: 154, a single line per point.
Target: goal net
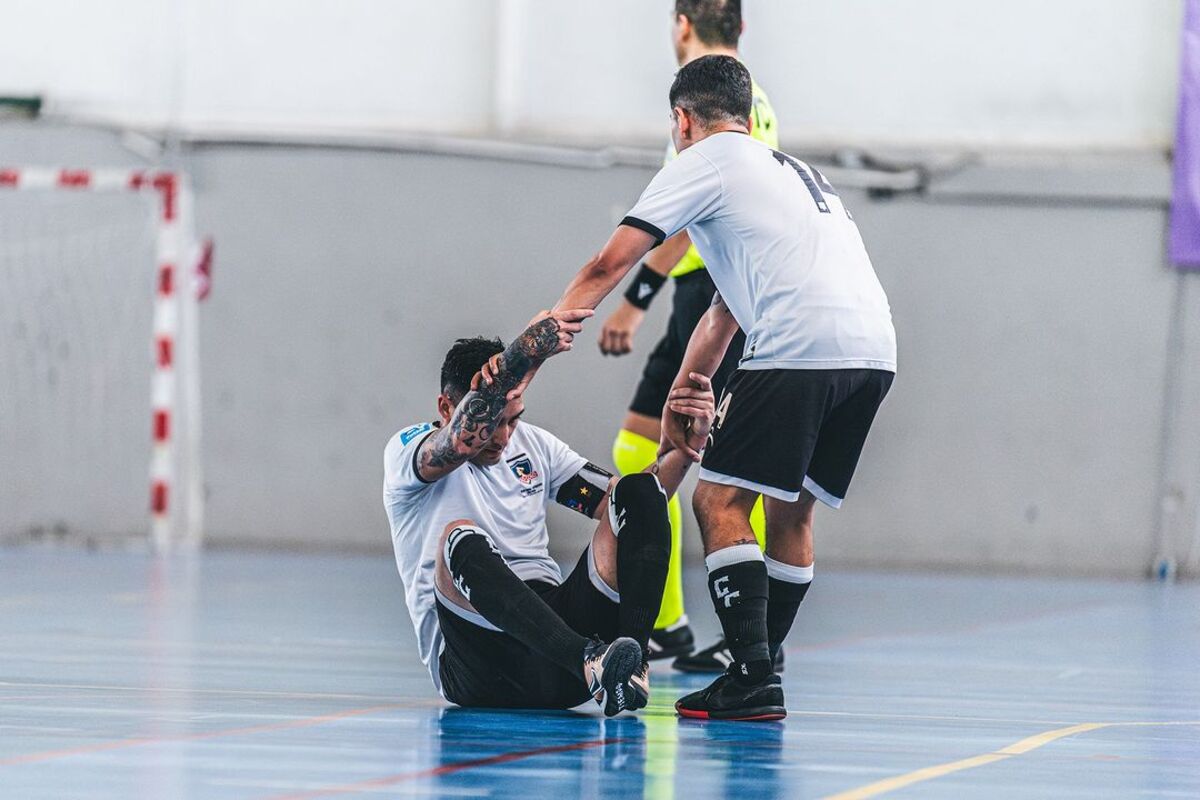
x: 99, y: 410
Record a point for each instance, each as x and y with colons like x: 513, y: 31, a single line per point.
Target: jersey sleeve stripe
x: 642, y: 225
x: 416, y: 457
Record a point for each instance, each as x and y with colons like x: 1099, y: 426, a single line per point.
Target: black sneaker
x: 617, y: 676
x: 727, y: 698
x: 715, y: 659
x: 673, y: 640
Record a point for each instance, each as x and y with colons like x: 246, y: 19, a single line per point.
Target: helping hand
x: 688, y: 416
x: 568, y: 322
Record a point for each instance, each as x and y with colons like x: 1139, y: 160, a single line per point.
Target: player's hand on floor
x: 616, y: 335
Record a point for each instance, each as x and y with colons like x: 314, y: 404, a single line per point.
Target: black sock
x: 737, y: 581
x: 504, y: 600
x: 787, y: 586
x: 638, y: 514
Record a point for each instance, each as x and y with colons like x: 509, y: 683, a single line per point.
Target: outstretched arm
x: 616, y: 335
x: 481, y: 409
x: 705, y: 350
x: 587, y: 492
x: 604, y: 271
x: 692, y: 401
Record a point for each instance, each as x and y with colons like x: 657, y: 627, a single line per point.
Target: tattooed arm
x: 481, y: 410
x: 705, y: 350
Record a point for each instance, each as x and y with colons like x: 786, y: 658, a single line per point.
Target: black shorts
x: 486, y: 668
x: 692, y: 297
x: 780, y: 430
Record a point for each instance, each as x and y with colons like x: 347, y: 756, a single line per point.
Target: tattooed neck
x: 477, y: 415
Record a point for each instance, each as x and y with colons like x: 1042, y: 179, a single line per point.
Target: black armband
x: 644, y: 287
x: 585, y: 491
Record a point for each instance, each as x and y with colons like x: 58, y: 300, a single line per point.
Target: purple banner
x: 1184, y: 248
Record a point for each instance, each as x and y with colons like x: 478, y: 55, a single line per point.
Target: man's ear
x: 685, y: 26
x: 684, y: 121
x: 445, y: 407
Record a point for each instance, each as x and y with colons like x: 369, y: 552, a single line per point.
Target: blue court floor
x: 237, y: 675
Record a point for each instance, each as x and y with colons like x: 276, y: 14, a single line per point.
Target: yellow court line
x: 1014, y: 749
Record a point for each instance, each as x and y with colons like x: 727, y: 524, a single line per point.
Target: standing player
x: 466, y: 498
x: 792, y: 272
x: 701, y: 28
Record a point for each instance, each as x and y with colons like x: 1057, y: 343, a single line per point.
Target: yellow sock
x: 758, y: 523
x: 633, y: 453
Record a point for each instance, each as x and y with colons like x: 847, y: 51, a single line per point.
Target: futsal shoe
x: 673, y: 640
x: 714, y: 660
x: 640, y: 683
x: 616, y: 676
x: 729, y: 699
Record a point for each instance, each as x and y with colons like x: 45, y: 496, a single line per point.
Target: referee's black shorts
x: 692, y: 297
x: 481, y: 667
x: 778, y: 431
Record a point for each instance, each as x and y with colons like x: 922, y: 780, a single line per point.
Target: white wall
x: 1068, y: 73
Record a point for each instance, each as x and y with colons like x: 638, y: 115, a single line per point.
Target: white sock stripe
x: 788, y: 572
x: 733, y: 555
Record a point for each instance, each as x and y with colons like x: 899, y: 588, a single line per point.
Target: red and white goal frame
x: 176, y: 511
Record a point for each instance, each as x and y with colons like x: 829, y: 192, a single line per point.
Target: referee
x: 701, y: 28
x: 792, y: 272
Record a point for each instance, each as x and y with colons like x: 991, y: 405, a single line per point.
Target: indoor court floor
x: 249, y: 675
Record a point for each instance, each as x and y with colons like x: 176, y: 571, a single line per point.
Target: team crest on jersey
x: 522, y: 469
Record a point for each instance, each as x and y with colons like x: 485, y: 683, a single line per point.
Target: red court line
x: 445, y: 769
x: 120, y: 744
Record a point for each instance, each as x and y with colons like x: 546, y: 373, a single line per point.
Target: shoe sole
x: 623, y: 659
x: 756, y: 714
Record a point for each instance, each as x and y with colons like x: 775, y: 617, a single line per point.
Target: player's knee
x: 464, y: 542
x: 638, y: 504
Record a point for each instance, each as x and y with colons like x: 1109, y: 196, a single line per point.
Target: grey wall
x: 1023, y: 430
x: 1022, y: 433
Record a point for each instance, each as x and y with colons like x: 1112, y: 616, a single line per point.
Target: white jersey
x: 507, y: 500
x: 782, y: 250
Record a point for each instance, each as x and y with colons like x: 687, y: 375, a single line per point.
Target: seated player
x: 466, y: 497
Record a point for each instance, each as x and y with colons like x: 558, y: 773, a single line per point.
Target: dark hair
x: 714, y: 89
x: 462, y: 362
x: 717, y: 22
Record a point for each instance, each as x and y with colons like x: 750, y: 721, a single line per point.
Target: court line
x: 968, y: 628
x: 664, y: 710
x: 445, y: 769
x: 120, y: 744
x: 1015, y: 749
x: 230, y: 692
